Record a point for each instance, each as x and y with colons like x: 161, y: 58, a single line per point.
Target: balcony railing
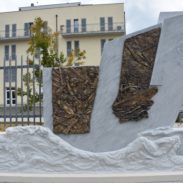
x: 74, y: 30
x: 92, y: 29
x: 19, y: 34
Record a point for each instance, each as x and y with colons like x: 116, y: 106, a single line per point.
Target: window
x: 83, y: 24
x: 10, y: 96
x: 68, y: 26
x: 7, y: 31
x: 13, y: 52
x: 69, y: 48
x: 102, y: 42
x: 76, y: 25
x: 102, y: 24
x: 10, y: 74
x: 14, y: 30
x: 27, y: 27
x: 110, y: 23
x: 6, y: 52
x: 76, y: 47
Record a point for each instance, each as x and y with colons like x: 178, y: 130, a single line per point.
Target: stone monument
x: 151, y: 45
x: 115, y: 134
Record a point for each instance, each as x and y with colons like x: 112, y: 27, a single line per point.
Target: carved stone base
x: 35, y: 149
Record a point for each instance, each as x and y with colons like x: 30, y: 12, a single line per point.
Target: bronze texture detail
x: 73, y: 90
x: 135, y: 94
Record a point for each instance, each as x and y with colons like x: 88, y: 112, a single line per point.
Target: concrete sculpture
x: 148, y: 145
x: 106, y: 133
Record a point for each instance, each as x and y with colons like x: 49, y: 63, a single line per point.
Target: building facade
x: 86, y: 27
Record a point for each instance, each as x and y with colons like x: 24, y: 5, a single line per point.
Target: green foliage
x: 45, y: 41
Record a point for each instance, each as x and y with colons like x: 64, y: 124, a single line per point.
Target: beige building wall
x: 89, y: 40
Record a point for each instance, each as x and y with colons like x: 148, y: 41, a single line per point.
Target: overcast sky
x: 139, y: 13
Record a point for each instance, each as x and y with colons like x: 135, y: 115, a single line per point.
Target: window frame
x: 27, y: 30
x: 83, y: 25
x: 102, y: 23
x: 76, y: 47
x: 102, y: 43
x: 69, y: 47
x: 76, y: 25
x: 10, y: 74
x: 68, y: 26
x: 14, y: 30
x: 110, y: 23
x: 13, y: 52
x: 6, y: 52
x: 11, y: 99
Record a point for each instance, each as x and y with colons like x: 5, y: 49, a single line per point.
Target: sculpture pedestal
x: 36, y: 149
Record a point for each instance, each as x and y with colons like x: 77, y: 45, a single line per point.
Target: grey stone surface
x: 47, y: 98
x: 107, y: 134
x: 170, y: 46
x: 37, y: 150
x: 169, y: 14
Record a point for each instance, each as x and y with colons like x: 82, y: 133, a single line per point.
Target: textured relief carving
x: 35, y: 149
x: 74, y: 91
x: 134, y: 97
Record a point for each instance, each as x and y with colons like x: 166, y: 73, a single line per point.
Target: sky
x: 139, y: 13
x: 143, y: 13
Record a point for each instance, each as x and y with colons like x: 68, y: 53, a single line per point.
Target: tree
x: 44, y: 42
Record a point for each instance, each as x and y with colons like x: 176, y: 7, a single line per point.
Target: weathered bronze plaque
x: 134, y: 96
x: 74, y: 90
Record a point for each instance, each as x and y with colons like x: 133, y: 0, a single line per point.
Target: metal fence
x: 21, y: 91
